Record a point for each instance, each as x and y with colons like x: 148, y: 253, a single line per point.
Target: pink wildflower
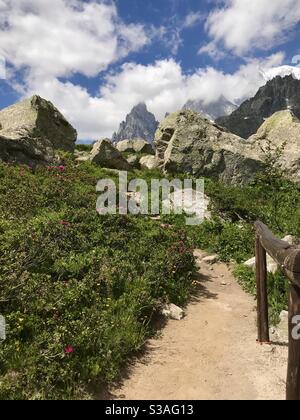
x: 64, y: 223
x: 69, y: 350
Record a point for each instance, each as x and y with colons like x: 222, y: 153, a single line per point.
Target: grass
x: 79, y: 290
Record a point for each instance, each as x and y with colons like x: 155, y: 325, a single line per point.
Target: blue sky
x: 95, y: 59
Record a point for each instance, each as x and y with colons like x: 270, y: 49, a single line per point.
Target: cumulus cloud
x: 47, y: 42
x: 60, y: 37
x: 163, y: 86
x: 192, y: 19
x: 241, y: 26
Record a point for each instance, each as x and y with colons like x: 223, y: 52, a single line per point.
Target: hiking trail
x: 212, y: 353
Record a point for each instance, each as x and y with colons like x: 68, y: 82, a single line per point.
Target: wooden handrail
x: 288, y: 258
x: 286, y: 255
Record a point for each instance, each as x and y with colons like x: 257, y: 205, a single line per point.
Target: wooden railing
x: 288, y: 258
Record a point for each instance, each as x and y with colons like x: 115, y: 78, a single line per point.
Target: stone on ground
x: 173, y: 312
x: 106, y: 155
x: 135, y: 146
x: 149, y: 162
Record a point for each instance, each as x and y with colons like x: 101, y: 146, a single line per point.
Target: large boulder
x: 135, y: 146
x: 188, y: 143
x: 282, y: 129
x: 106, y: 155
x: 32, y: 131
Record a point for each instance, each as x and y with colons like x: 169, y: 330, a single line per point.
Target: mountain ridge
x: 139, y: 123
x: 279, y: 94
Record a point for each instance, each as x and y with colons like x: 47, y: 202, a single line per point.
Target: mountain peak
x: 279, y: 94
x: 139, y: 123
x: 213, y: 110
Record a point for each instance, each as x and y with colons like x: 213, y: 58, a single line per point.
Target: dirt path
x: 212, y: 353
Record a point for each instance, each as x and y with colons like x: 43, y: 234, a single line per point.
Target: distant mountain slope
x: 213, y: 110
x: 278, y: 94
x: 140, y: 123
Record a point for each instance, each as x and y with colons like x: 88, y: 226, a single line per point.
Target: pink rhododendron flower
x: 64, y: 223
x: 69, y: 350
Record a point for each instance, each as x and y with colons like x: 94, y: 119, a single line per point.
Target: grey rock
x: 149, y: 162
x: 140, y: 123
x: 188, y: 143
x: 173, y: 312
x: 135, y: 146
x: 134, y: 161
x: 106, y: 155
x: 82, y: 156
x: 281, y: 127
x: 32, y: 131
x: 211, y: 259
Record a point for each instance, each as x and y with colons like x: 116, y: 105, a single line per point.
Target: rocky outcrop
x: 282, y: 128
x: 280, y: 93
x: 140, y: 123
x: 135, y: 146
x: 134, y: 161
x: 213, y: 110
x: 106, y: 155
x: 187, y: 143
x: 32, y: 131
x: 149, y: 162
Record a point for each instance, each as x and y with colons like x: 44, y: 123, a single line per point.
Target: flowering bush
x: 78, y: 290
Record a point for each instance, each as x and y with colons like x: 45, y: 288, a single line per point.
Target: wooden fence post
x: 288, y: 258
x: 293, y: 377
x: 262, y: 293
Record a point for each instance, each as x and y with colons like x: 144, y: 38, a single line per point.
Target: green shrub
x: 78, y: 290
x: 84, y: 147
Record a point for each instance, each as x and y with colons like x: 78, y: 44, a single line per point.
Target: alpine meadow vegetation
x: 79, y: 290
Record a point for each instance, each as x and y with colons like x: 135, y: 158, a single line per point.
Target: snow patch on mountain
x: 281, y: 71
x: 213, y: 110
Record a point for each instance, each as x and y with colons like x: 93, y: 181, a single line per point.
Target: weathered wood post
x: 293, y: 376
x: 262, y: 293
x: 288, y: 258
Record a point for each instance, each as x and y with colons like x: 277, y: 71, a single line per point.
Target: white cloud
x: 241, y: 26
x: 162, y: 85
x: 49, y: 41
x: 192, y: 19
x: 59, y: 37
